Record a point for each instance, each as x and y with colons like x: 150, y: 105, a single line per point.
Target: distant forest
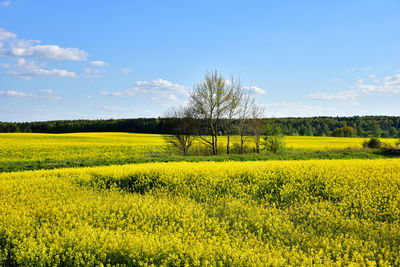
x: 367, y: 126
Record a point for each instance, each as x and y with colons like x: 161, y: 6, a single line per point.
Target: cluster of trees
x: 345, y: 131
x: 363, y: 126
x: 140, y: 125
x: 216, y: 106
x: 366, y: 126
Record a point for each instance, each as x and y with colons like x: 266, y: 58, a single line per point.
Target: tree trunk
x: 213, y: 144
x: 227, y: 144
x: 241, y: 143
x: 216, y: 144
x: 216, y: 138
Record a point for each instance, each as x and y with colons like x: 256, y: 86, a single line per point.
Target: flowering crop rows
x: 105, y: 146
x: 326, y: 212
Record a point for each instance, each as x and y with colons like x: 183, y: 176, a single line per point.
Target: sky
x: 128, y: 59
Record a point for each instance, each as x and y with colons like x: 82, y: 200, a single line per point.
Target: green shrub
x: 345, y: 131
x: 373, y: 142
x: 274, y: 143
x: 273, y: 140
x: 391, y: 151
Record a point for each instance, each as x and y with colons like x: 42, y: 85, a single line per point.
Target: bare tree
x: 181, y: 126
x: 247, y: 101
x: 256, y: 125
x: 236, y: 93
x: 210, y: 101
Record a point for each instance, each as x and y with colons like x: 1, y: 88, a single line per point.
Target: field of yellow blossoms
x: 103, y: 146
x: 275, y: 213
x: 261, y: 213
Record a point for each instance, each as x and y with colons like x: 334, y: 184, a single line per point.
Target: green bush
x: 274, y: 143
x: 391, y: 151
x: 273, y: 140
x: 373, y: 142
x: 345, y: 131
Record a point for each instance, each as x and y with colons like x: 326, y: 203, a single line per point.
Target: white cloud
x: 387, y: 85
x: 28, y: 74
x: 296, y: 109
x: 19, y: 94
x: 372, y: 76
x: 158, y: 87
x: 255, y: 89
x: 92, y: 71
x: 112, y: 93
x: 362, y: 69
x: 125, y: 71
x: 46, y: 91
x: 351, y: 103
x: 114, y: 108
x: 15, y: 94
x: 4, y: 35
x: 5, y: 3
x: 172, y: 97
x: 98, y: 63
x: 30, y: 48
x: 29, y: 69
x: 227, y: 82
x: 344, y: 95
x: 51, y: 52
x: 74, y: 114
x: 166, y: 101
x: 116, y: 111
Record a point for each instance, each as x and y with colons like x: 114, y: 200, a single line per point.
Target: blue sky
x: 127, y: 59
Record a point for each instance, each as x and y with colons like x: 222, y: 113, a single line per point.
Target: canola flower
x: 105, y: 146
x: 275, y: 213
x: 32, y: 146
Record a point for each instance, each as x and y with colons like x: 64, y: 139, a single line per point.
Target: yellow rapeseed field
x: 103, y: 146
x: 274, y: 213
x: 33, y: 146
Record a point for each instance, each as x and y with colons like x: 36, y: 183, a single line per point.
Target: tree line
x: 365, y: 126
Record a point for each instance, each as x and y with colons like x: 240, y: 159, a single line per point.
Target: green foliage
x: 391, y: 151
x: 274, y: 143
x: 273, y: 140
x: 373, y: 142
x: 345, y: 131
x: 366, y: 126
